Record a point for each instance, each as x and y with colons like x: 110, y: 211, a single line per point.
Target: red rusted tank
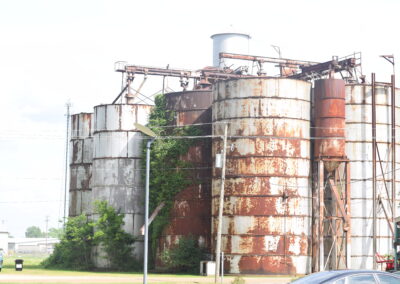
x: 191, y: 213
x: 266, y: 225
x: 329, y: 118
x: 81, y: 164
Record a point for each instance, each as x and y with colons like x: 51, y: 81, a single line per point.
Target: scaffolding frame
x: 331, y: 228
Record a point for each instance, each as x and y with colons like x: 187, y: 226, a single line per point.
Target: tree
x: 55, y: 233
x: 75, y: 247
x: 33, y: 232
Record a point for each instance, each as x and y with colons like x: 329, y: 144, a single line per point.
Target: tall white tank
x: 116, y: 165
x: 81, y: 155
x: 232, y: 43
x: 359, y: 152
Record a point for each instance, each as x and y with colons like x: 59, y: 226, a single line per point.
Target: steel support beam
x: 374, y: 207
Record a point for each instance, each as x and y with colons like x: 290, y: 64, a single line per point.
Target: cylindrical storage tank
x: 329, y: 118
x: 116, y: 164
x: 81, y: 154
x: 359, y: 153
x: 267, y: 207
x: 191, y: 212
x: 231, y: 43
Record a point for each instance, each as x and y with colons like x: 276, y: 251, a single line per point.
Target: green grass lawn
x: 32, y: 267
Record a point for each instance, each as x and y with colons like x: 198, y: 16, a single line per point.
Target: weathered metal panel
x: 329, y: 118
x: 80, y: 163
x: 191, y: 211
x: 359, y: 152
x: 267, y: 209
x: 122, y: 144
x: 116, y: 164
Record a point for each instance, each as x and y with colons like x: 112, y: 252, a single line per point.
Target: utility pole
x: 68, y: 106
x: 221, y: 207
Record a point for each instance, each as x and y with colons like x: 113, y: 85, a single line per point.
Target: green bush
x: 116, y: 243
x: 75, y: 247
x: 185, y: 257
x: 81, y: 235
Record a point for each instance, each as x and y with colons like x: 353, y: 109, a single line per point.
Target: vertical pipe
x: 373, y: 170
x: 163, y: 85
x: 348, y: 212
x: 314, y: 221
x: 68, y: 105
x: 393, y: 93
x: 321, y: 188
x: 222, y: 267
x: 221, y: 206
x: 146, y: 212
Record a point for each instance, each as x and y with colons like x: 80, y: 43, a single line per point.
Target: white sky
x: 52, y: 51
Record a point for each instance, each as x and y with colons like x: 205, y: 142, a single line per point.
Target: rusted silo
x: 359, y: 152
x: 116, y: 164
x: 331, y: 226
x: 191, y: 212
x: 267, y: 207
x: 329, y: 120
x: 80, y: 164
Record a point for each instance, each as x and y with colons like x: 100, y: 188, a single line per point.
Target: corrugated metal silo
x: 267, y: 207
x: 81, y: 164
x: 359, y: 152
x: 116, y: 163
x: 191, y: 213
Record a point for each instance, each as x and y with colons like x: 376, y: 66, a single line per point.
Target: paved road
x: 26, y: 278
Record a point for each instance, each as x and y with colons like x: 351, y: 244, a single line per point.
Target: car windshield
x: 317, y: 277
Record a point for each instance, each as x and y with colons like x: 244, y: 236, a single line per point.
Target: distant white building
x: 32, y: 245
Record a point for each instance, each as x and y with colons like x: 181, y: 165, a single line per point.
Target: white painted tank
x: 232, y: 43
x: 81, y: 154
x: 359, y: 152
x: 116, y: 164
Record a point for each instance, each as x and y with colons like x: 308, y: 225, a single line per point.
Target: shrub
x: 116, y: 243
x: 185, y: 257
x: 75, y: 248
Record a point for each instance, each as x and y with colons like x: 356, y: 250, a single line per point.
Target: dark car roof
x: 321, y: 277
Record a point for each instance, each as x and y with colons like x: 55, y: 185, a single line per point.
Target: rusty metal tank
x: 330, y: 108
x: 116, y: 165
x: 81, y: 154
x: 267, y: 208
x: 191, y: 212
x: 359, y: 152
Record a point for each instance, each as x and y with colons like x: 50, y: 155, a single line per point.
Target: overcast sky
x: 55, y: 51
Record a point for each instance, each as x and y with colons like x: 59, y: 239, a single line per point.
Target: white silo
x: 231, y: 43
x: 116, y: 166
